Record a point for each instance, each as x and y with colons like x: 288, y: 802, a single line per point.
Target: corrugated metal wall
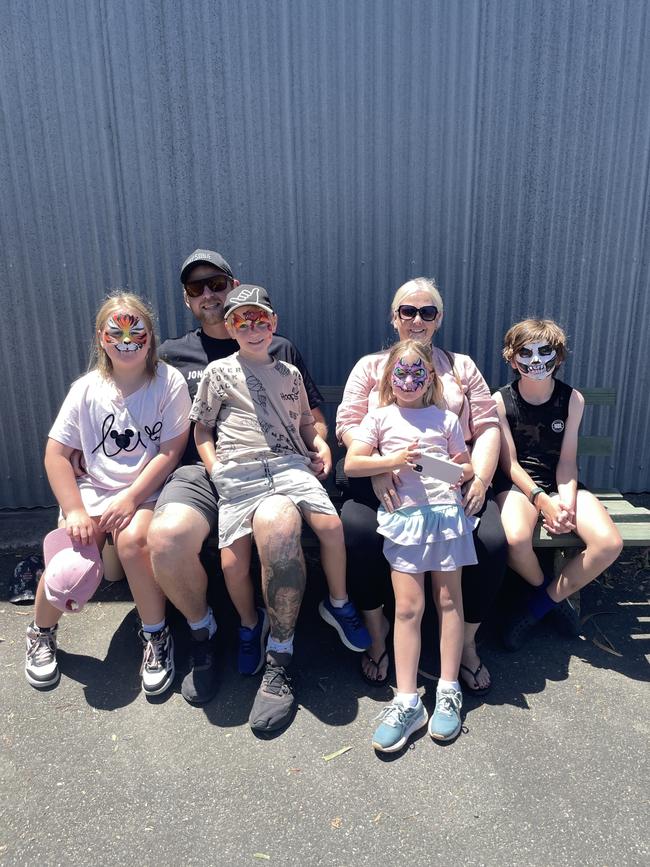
x: 330, y: 149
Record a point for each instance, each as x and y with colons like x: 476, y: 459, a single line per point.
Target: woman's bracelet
x: 482, y: 481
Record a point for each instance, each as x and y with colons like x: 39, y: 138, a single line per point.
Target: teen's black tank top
x: 538, y: 430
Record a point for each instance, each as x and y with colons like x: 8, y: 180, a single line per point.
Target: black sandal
x: 374, y: 681
x: 480, y: 690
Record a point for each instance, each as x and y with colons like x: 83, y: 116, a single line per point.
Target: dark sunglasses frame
x: 216, y: 283
x: 425, y: 312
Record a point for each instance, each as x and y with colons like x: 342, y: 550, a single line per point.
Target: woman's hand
x: 79, y: 526
x: 474, y: 496
x: 385, y: 487
x: 118, y: 515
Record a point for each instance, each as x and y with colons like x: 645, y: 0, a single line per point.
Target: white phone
x: 438, y: 468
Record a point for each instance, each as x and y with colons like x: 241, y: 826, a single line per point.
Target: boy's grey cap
x: 244, y: 296
x: 208, y: 257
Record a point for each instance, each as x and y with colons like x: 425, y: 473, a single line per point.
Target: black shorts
x: 191, y: 486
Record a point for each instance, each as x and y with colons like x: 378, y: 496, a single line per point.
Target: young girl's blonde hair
x: 432, y: 393
x: 120, y: 300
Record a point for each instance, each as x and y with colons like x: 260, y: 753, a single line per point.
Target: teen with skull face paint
x: 129, y: 419
x: 429, y: 532
x: 540, y: 417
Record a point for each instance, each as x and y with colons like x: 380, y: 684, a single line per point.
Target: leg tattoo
x: 284, y: 586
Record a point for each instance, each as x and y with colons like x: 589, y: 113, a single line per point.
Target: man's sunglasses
x: 408, y: 311
x: 218, y: 283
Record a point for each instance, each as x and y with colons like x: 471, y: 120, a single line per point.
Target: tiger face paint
x: 125, y: 332
x: 536, y: 361
x: 251, y: 319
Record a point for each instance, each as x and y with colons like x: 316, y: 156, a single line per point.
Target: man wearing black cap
x: 186, y: 511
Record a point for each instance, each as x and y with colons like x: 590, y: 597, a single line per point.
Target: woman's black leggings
x: 369, y: 573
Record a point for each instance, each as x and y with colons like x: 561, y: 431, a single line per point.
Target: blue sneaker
x: 347, y: 623
x: 252, y: 643
x: 445, y: 723
x: 397, y: 725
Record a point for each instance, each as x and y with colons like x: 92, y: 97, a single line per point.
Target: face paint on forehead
x: 409, y: 376
x: 126, y: 332
x: 536, y: 360
x: 250, y: 319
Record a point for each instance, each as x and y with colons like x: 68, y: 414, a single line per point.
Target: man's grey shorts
x: 191, y: 486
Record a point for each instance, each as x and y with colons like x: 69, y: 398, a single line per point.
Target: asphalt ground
x: 551, y: 768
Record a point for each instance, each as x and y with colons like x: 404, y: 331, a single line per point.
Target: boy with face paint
x: 265, y: 435
x: 540, y: 417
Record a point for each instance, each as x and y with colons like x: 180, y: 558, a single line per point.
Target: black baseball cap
x: 207, y: 257
x: 244, y: 296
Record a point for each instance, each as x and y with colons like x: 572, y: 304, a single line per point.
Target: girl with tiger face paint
x: 125, y: 342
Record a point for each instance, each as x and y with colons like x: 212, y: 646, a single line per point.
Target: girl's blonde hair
x: 120, y: 300
x: 535, y: 331
x: 417, y: 284
x: 432, y: 393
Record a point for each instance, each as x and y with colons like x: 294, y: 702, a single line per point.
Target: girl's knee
x: 132, y: 545
x: 407, y: 611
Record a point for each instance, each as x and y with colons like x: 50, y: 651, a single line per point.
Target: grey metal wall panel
x: 330, y: 150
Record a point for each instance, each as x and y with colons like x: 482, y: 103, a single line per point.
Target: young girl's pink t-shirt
x: 390, y: 428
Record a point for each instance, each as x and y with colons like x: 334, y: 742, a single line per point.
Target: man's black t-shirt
x: 192, y: 352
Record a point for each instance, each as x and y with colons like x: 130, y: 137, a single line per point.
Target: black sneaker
x: 566, y: 618
x: 157, y: 661
x: 41, y: 669
x: 275, y: 702
x: 200, y: 683
x: 518, y: 630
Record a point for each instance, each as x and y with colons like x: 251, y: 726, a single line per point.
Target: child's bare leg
x: 409, y: 607
x: 448, y: 598
x: 329, y: 530
x: 133, y: 551
x: 235, y: 563
x: 519, y: 518
x: 603, y: 545
x: 45, y: 614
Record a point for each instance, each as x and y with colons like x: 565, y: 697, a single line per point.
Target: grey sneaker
x: 200, y: 683
x: 275, y: 702
x: 41, y: 669
x: 445, y: 723
x: 157, y: 661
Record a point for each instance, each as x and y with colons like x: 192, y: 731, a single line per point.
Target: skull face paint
x: 251, y: 319
x: 125, y: 332
x: 409, y: 376
x: 536, y: 360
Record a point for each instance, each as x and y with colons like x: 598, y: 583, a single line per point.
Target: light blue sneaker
x: 397, y: 725
x: 445, y: 723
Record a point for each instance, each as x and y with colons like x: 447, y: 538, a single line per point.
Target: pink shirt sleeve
x: 361, y: 393
x: 455, y: 438
x: 470, y: 401
x: 369, y: 430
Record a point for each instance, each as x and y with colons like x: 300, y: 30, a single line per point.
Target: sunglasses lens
x: 215, y: 284
x: 428, y: 313
x: 408, y: 311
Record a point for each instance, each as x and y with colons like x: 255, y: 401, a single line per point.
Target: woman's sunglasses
x: 408, y: 311
x: 218, y: 283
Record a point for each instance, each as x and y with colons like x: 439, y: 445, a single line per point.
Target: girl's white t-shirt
x: 117, y: 435
x: 390, y: 428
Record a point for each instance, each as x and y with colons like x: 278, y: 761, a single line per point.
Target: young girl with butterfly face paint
x: 540, y: 417
x: 428, y: 532
x: 129, y: 418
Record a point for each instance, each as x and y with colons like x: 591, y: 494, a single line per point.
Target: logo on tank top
x: 557, y: 426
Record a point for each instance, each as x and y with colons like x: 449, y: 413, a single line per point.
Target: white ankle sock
x: 449, y: 684
x: 208, y: 622
x: 338, y: 603
x: 153, y: 627
x: 279, y: 646
x: 407, y: 699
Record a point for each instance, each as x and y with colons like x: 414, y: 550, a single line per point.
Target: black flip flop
x: 377, y: 681
x: 481, y: 690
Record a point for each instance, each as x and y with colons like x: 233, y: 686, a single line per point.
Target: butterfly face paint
x: 251, y: 319
x: 127, y: 333
x: 536, y: 360
x: 409, y: 376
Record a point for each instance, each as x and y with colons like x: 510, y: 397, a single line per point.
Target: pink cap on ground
x: 72, y: 571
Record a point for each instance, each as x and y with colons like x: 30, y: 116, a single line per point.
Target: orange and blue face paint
x: 409, y: 376
x: 126, y: 332
x: 252, y: 319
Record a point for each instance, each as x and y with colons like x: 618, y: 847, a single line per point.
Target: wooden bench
x: 633, y: 522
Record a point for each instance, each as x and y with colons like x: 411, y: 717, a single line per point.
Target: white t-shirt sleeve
x: 368, y: 430
x: 176, y: 405
x: 455, y: 438
x: 66, y: 428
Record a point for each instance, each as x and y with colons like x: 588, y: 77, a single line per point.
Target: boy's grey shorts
x: 191, y: 486
x: 243, y: 486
